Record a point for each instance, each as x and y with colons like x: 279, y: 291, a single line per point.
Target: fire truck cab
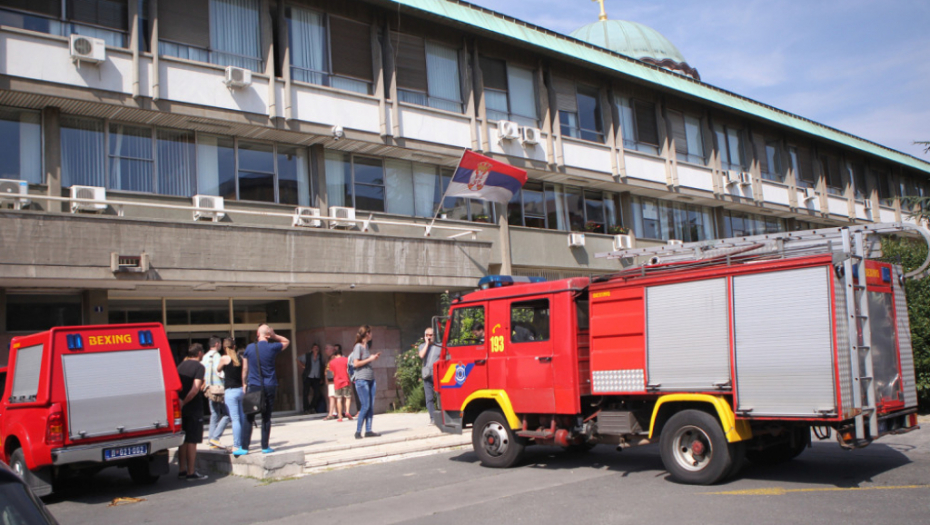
x: 736, y: 357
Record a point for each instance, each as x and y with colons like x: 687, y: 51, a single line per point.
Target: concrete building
x: 173, y: 156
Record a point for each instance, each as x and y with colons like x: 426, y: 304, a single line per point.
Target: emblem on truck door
x: 456, y: 375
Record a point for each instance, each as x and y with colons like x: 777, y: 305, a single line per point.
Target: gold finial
x: 603, y: 15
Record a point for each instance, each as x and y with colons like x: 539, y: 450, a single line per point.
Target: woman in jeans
x: 364, y: 379
x: 231, y: 364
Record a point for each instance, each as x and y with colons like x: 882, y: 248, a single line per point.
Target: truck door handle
x: 544, y: 359
x: 480, y: 361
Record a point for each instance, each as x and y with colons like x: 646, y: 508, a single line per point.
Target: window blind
x: 45, y: 7
x: 107, y: 13
x: 678, y: 132
x: 565, y: 94
x: 351, y: 48
x: 410, y: 61
x: 493, y: 73
x: 646, y: 129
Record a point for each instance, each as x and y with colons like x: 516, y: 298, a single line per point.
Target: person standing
x: 352, y: 391
x: 310, y: 365
x: 429, y: 353
x: 191, y: 373
x: 213, y: 382
x: 259, y: 369
x: 338, y: 366
x: 231, y: 366
x: 329, y: 352
x: 364, y: 380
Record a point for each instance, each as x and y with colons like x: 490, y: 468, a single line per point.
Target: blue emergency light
x: 145, y: 338
x: 75, y: 342
x: 499, y: 281
x: 886, y: 274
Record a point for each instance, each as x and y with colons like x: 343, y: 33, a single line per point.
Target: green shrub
x: 410, y: 380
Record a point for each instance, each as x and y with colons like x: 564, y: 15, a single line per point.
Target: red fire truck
x: 87, y: 397
x: 717, y: 351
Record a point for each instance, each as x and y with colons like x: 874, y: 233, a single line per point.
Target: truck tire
x: 694, y: 449
x: 139, y: 472
x: 40, y: 485
x: 495, y: 443
x: 782, y: 452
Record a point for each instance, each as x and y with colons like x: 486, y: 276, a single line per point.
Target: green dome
x: 635, y: 41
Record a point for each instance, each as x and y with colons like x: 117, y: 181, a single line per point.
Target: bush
x: 910, y: 254
x: 410, y: 380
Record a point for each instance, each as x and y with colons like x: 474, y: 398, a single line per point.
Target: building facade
x: 173, y: 156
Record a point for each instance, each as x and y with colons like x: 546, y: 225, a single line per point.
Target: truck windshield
x: 467, y: 326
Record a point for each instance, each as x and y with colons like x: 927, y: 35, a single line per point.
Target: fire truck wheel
x: 694, y: 449
x: 139, y: 472
x: 494, y: 442
x: 738, y: 457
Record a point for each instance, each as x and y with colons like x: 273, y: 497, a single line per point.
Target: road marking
x: 777, y: 491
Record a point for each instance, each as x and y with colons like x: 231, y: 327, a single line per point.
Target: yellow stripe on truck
x: 733, y: 429
x: 503, y: 401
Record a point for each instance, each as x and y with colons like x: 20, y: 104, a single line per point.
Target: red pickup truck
x: 82, y: 398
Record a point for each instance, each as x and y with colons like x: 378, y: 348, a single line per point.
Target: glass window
x: 529, y: 321
x: 255, y: 311
x: 665, y: 220
x: 695, y: 139
x: 338, y: 178
x: 730, y: 147
x: 831, y: 174
x: 176, y: 163
x: 740, y: 224
x: 134, y: 311
x: 534, y: 206
x: 216, y: 166
x: 235, y: 35
x: 574, y: 204
x: 306, y: 32
x: 82, y: 152
x: 857, y: 176
x: 256, y: 172
x: 589, y: 114
x: 773, y: 165
x: 369, y: 184
x: 442, y: 75
x: 35, y: 313
x: 309, y: 37
x: 131, y: 158
x: 556, y: 213
x: 293, y: 176
x: 568, y: 121
x: 104, y: 19
x: 638, y: 125
x: 183, y: 312
x: 522, y: 93
x: 20, y: 145
x: 883, y: 181
x: 467, y: 326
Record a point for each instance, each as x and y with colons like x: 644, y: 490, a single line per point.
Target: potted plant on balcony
x: 618, y: 230
x: 481, y: 218
x: 593, y: 227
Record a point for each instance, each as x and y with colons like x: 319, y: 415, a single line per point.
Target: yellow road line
x: 777, y: 491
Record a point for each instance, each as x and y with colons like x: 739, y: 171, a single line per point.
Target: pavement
x: 308, y: 444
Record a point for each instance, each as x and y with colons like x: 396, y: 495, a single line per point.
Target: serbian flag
x: 480, y: 177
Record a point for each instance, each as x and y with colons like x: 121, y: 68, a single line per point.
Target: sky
x: 861, y: 66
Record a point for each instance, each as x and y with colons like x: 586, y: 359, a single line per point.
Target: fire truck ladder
x: 850, y: 246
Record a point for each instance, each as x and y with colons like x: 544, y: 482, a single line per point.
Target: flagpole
x: 439, y: 208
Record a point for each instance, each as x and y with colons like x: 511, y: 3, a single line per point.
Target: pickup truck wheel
x: 18, y: 464
x: 694, y: 449
x: 495, y: 443
x: 139, y: 472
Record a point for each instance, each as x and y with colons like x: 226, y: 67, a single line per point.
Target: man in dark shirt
x: 191, y: 373
x: 261, y: 374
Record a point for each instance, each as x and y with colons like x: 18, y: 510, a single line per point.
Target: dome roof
x: 635, y: 41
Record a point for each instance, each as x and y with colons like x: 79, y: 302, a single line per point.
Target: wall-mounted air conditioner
x: 745, y: 178
x: 507, y: 130
x: 732, y: 177
x: 530, y: 135
x: 624, y: 242
x: 575, y: 240
x: 93, y: 199
x: 237, y: 77
x: 87, y: 49
x: 809, y: 194
x: 209, y: 207
x: 341, y: 212
x: 14, y: 192
x: 304, y: 217
x: 868, y: 204
x: 675, y: 242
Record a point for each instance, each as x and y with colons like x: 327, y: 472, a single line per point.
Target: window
x: 585, y: 121
x: 665, y: 220
x: 883, y: 181
x: 687, y: 131
x: 134, y: 311
x: 771, y: 164
x: 509, y: 92
x: 385, y: 185
x: 235, y: 33
x: 911, y: 192
x: 82, y: 152
x: 856, y: 172
x: 638, y: 125
x: 800, y: 159
x: 831, y: 174
x: 565, y: 208
x: 529, y: 321
x: 104, y: 19
x: 739, y: 224
x: 427, y: 73
x: 20, y: 145
x: 345, y: 65
x: 467, y: 326
x: 252, y: 171
x: 132, y: 164
x: 730, y: 147
x: 35, y: 313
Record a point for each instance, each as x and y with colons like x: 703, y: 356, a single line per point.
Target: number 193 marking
x: 497, y: 343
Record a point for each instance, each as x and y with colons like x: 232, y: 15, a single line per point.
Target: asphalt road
x: 887, y: 482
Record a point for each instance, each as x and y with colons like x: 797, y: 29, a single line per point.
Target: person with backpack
x: 364, y: 379
x: 429, y: 353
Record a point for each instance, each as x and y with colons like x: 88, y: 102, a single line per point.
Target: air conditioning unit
x: 809, y: 194
x: 575, y: 240
x: 507, y: 130
x: 868, y: 204
x: 530, y: 135
x: 341, y: 212
x: 96, y: 194
x: 210, y: 207
x: 304, y: 217
x: 129, y: 263
x: 87, y: 49
x: 745, y: 178
x: 11, y: 191
x: 237, y: 77
x: 675, y: 242
x: 733, y: 177
x: 624, y: 242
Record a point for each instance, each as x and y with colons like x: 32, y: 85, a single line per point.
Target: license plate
x: 109, y: 454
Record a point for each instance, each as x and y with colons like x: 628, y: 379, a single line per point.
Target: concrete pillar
x: 51, y: 124
x: 95, y: 307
